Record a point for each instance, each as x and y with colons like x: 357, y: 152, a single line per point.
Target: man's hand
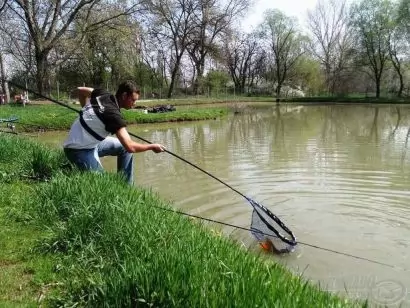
x: 157, y: 148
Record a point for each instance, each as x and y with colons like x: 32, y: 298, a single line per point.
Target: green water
x: 338, y: 176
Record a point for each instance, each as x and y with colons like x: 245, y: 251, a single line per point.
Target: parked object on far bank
x: 161, y: 109
x: 21, y: 99
x: 10, y: 124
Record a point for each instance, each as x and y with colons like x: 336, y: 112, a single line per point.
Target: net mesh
x: 272, y: 235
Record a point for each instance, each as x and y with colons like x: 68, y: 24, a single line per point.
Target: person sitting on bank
x: 89, y: 139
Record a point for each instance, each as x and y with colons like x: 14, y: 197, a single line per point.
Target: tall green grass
x: 21, y: 158
x: 125, y: 252
x: 114, y: 245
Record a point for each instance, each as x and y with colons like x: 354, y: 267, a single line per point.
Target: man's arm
x: 83, y: 94
x: 134, y: 147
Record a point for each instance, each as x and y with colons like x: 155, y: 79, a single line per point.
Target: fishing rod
x: 219, y: 222
x: 261, y: 216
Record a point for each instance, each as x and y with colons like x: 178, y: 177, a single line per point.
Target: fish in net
x: 265, y: 225
x: 271, y: 233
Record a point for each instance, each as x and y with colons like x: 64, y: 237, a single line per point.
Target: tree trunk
x: 172, y: 83
x: 199, y: 67
x: 4, y: 84
x: 41, y: 75
x: 378, y: 88
x: 400, y: 92
x: 196, y: 83
x: 278, y: 89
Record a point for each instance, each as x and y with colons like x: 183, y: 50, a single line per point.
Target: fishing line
x: 253, y: 203
x: 299, y: 242
x: 263, y: 219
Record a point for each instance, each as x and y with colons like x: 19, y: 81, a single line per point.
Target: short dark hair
x: 128, y: 87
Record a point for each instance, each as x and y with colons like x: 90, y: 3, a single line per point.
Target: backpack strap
x: 88, y: 129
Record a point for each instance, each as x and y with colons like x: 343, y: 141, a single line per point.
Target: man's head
x: 127, y: 94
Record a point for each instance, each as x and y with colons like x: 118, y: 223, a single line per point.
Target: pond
x: 338, y: 176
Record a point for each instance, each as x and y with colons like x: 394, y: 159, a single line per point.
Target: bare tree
x: 332, y: 42
x: 211, y: 19
x: 48, y: 23
x: 241, y: 51
x: 285, y: 44
x: 3, y: 4
x: 171, y: 23
x: 17, y: 43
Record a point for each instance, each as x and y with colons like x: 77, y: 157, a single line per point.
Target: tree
x: 241, y: 52
x: 399, y: 37
x: 171, y: 23
x: 2, y: 5
x: 285, y: 43
x: 49, y: 23
x: 211, y: 19
x: 309, y: 76
x: 3, y: 79
x: 372, y: 23
x: 332, y: 40
x: 404, y: 15
x: 216, y: 80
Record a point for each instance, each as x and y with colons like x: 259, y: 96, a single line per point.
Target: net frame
x: 268, y: 236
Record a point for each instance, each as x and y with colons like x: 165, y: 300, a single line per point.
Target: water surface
x: 338, y: 176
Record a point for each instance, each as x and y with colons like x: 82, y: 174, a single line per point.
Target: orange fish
x: 267, y: 245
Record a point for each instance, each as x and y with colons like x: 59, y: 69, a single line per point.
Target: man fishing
x: 100, y: 116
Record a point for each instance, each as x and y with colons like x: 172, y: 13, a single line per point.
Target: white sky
x: 296, y: 8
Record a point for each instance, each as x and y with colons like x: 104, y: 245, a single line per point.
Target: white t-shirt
x: 102, y: 115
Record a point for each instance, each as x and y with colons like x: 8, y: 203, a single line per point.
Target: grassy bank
x: 86, y: 239
x: 270, y: 100
x: 346, y: 100
x: 55, y: 117
x: 203, y: 100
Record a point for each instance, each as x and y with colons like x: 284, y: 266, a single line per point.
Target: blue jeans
x: 89, y: 159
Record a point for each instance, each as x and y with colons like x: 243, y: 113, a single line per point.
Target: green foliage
x: 285, y: 43
x: 404, y: 13
x: 309, y: 75
x: 216, y: 80
x: 373, y: 22
x: 147, y: 78
x: 107, y: 55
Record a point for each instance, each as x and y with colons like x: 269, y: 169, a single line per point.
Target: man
x: 100, y: 116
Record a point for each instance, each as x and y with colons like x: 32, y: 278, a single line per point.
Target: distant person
x: 100, y: 116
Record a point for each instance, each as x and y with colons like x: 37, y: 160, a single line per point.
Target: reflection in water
x: 338, y: 176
